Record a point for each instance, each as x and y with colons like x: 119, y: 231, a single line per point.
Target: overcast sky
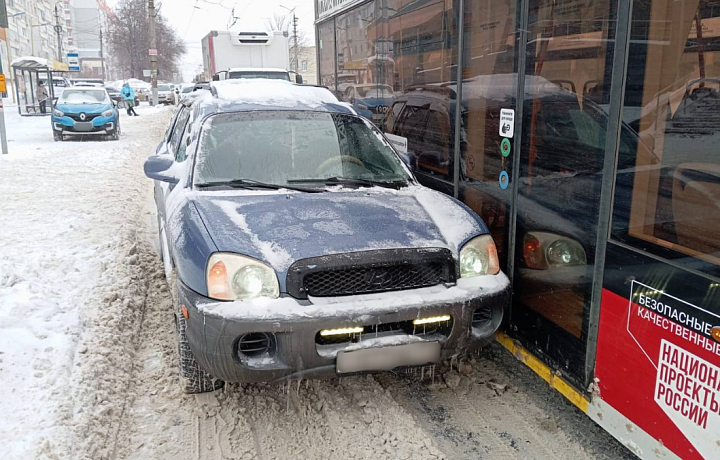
x: 193, y: 19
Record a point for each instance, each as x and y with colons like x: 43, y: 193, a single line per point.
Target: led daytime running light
x: 341, y: 331
x: 434, y: 319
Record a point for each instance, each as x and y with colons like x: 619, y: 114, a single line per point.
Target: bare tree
x: 129, y: 41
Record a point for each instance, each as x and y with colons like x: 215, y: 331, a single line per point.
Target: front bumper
x: 98, y: 125
x: 215, y: 329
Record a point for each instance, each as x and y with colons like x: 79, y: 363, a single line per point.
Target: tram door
x: 660, y: 307
x: 568, y: 63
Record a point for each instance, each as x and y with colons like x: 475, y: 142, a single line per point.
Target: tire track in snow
x: 489, y: 406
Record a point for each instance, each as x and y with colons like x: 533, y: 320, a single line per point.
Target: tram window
x: 326, y: 39
x: 668, y: 201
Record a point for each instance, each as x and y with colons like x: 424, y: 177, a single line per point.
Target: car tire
x: 193, y: 378
x: 57, y: 137
x: 161, y: 248
x: 116, y: 134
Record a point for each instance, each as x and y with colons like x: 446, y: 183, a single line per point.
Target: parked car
x: 117, y: 97
x: 142, y: 93
x: 59, y: 83
x: 166, y: 95
x: 94, y: 81
x: 299, y: 244
x: 82, y: 111
x: 370, y: 100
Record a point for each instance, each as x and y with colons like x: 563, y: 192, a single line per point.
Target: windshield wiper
x: 249, y: 183
x: 339, y: 180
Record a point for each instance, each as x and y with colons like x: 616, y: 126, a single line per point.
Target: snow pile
x: 71, y: 286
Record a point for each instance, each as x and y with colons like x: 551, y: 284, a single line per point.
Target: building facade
x: 586, y: 135
x: 85, y: 24
x: 307, y: 64
x: 31, y: 29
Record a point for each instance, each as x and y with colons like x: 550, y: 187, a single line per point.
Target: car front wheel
x: 58, y: 137
x: 193, y: 378
x: 116, y: 134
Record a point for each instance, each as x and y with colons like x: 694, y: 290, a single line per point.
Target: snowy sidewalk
x: 67, y: 209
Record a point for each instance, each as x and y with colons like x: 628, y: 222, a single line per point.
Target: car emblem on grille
x: 379, y: 278
x: 83, y: 116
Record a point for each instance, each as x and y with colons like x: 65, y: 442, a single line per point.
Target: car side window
x: 181, y: 154
x: 178, y: 131
x: 175, y: 117
x: 392, y: 115
x: 411, y: 125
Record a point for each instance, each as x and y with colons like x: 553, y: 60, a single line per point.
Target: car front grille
x: 370, y: 271
x: 88, y: 116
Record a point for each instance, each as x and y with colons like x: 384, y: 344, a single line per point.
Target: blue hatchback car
x: 299, y: 245
x: 85, y: 110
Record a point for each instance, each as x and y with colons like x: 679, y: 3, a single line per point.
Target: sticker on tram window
x: 672, y: 350
x: 507, y: 122
x: 400, y: 143
x: 505, y: 147
x: 504, y: 180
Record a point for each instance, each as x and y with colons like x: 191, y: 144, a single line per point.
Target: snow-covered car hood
x: 282, y: 227
x: 83, y: 108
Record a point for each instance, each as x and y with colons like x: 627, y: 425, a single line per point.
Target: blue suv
x: 298, y: 244
x: 81, y: 111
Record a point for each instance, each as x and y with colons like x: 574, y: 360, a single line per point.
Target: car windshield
x: 295, y: 147
x: 164, y: 88
x: 375, y: 91
x: 83, y: 96
x: 187, y: 89
x: 265, y: 75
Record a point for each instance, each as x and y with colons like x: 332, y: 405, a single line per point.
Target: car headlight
x: 479, y: 257
x: 543, y: 250
x: 235, y: 277
x: 107, y: 113
x: 58, y: 113
x: 362, y: 107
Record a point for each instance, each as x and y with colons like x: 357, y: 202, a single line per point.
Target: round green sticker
x: 505, y: 147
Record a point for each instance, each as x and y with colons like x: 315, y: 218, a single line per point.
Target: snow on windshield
x: 83, y: 96
x: 283, y: 147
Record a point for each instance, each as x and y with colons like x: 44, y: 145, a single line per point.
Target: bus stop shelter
x: 27, y: 72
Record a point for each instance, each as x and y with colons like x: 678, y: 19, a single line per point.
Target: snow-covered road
x: 88, y: 354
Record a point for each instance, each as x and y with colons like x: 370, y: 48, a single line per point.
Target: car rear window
x: 262, y: 75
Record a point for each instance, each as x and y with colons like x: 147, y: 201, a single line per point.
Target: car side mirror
x: 298, y: 79
x: 159, y: 167
x: 409, y: 159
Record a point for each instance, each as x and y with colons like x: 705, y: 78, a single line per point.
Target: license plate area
x: 83, y: 126
x: 388, y: 358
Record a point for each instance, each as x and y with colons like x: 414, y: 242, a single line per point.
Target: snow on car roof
x: 272, y: 93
